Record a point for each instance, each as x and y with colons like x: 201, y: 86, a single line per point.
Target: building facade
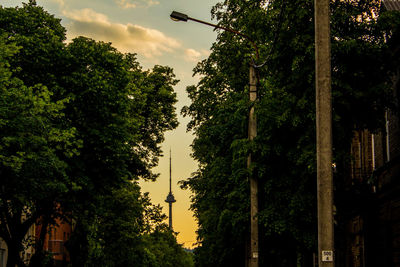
x: 55, y: 239
x: 368, y: 223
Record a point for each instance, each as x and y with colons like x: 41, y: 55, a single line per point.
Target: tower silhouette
x: 170, y: 198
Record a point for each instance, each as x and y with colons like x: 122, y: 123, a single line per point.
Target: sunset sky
x: 144, y: 27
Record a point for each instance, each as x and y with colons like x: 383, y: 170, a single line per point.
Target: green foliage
x: 33, y: 149
x: 161, y: 249
x: 120, y: 110
x: 40, y: 37
x: 128, y: 231
x: 284, y: 149
x: 120, y: 113
x: 114, y: 235
x: 80, y: 124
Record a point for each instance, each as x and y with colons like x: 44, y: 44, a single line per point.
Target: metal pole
x: 252, y: 132
x: 324, y: 134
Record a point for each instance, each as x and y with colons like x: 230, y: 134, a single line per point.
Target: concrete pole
x: 252, y: 132
x: 324, y: 134
x: 170, y: 216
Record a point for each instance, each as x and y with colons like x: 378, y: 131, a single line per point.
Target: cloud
x: 192, y: 55
x: 126, y: 4
x: 147, y: 42
x: 86, y: 15
x: 133, y: 4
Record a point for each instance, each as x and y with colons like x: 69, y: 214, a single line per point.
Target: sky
x: 144, y: 27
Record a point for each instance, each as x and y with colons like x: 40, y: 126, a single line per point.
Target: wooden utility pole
x: 252, y: 133
x: 324, y: 134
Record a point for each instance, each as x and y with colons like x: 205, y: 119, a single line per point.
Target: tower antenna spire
x: 170, y: 198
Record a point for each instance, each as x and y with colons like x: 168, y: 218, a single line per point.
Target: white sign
x: 327, y: 255
x: 255, y: 255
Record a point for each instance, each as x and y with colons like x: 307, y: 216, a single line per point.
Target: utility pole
x: 324, y: 134
x: 252, y: 133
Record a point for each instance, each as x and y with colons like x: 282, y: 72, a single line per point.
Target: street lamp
x: 252, y: 132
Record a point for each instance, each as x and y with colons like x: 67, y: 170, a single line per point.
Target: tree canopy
x: 284, y: 148
x: 34, y: 146
x: 80, y: 124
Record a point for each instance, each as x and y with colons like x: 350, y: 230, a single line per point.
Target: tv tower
x: 170, y: 198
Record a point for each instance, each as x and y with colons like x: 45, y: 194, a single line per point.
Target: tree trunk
x: 78, y: 246
x: 14, y: 258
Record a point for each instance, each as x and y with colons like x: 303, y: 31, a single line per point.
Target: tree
x: 90, y: 122
x: 115, y: 234
x: 120, y: 112
x: 32, y: 149
x: 285, y: 145
x: 161, y: 249
x: 40, y: 36
x: 46, y: 140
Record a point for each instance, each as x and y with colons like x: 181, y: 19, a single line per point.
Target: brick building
x: 54, y: 241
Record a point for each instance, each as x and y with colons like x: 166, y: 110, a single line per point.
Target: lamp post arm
x: 229, y: 30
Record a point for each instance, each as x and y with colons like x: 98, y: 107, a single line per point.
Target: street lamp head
x: 176, y: 16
